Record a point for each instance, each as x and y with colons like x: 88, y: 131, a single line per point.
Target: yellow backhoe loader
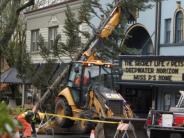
x: 89, y: 92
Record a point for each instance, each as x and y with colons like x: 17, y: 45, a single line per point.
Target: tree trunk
x: 23, y: 95
x: 15, y: 10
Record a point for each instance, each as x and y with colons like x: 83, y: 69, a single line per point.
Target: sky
x: 104, y: 3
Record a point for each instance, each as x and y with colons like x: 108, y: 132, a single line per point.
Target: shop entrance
x: 140, y: 100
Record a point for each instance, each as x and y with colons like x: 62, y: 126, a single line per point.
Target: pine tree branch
x: 15, y: 10
x: 11, y: 25
x: 3, y: 4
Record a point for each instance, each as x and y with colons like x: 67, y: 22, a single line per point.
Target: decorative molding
x: 178, y: 4
x: 172, y: 45
x: 53, y: 21
x: 131, y: 27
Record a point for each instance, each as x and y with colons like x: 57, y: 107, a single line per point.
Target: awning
x: 11, y: 76
x: 151, y: 84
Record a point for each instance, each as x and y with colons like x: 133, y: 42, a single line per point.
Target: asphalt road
x: 63, y: 136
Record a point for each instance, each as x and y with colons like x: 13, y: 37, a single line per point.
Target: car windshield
x: 99, y: 75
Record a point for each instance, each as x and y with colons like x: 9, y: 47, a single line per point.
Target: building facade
x: 171, y: 31
x: 49, y: 21
x: 141, y: 33
x: 164, y: 24
x: 157, y: 31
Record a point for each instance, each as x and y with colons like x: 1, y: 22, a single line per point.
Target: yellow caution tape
x: 81, y: 119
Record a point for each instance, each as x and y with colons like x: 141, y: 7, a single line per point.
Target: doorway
x: 140, y: 100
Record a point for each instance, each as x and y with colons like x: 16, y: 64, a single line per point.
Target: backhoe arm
x: 104, y: 31
x: 111, y: 24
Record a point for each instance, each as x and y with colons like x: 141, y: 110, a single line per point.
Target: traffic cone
x: 92, y: 135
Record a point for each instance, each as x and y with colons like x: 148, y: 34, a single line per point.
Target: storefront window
x: 167, y: 30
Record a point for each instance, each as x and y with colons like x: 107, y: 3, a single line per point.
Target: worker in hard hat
x: 28, y: 120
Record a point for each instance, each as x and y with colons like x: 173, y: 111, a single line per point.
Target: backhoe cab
x: 90, y: 94
x: 84, y: 75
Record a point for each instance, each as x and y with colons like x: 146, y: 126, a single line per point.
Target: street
x: 63, y: 136
x: 56, y: 133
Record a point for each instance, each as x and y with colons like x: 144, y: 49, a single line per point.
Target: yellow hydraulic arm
x: 111, y: 24
x: 104, y: 32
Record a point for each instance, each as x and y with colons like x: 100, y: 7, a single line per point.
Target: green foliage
x: 44, y: 51
x: 41, y: 79
x: 84, y: 12
x: 7, y: 124
x: 139, y: 4
x: 72, y: 44
x: 16, y: 56
x: 10, y: 53
x: 89, y: 9
x: 23, y: 64
x: 15, y: 52
x: 9, y: 20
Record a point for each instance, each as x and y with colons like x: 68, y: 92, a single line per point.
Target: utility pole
x: 157, y: 45
x: 157, y: 27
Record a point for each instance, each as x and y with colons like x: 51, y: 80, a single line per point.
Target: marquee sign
x: 153, y: 68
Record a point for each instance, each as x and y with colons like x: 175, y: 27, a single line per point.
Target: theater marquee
x: 153, y: 68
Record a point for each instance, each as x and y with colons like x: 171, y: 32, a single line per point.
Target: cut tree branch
x: 29, y: 3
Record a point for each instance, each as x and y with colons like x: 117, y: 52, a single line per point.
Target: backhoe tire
x: 62, y: 108
x: 85, y: 126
